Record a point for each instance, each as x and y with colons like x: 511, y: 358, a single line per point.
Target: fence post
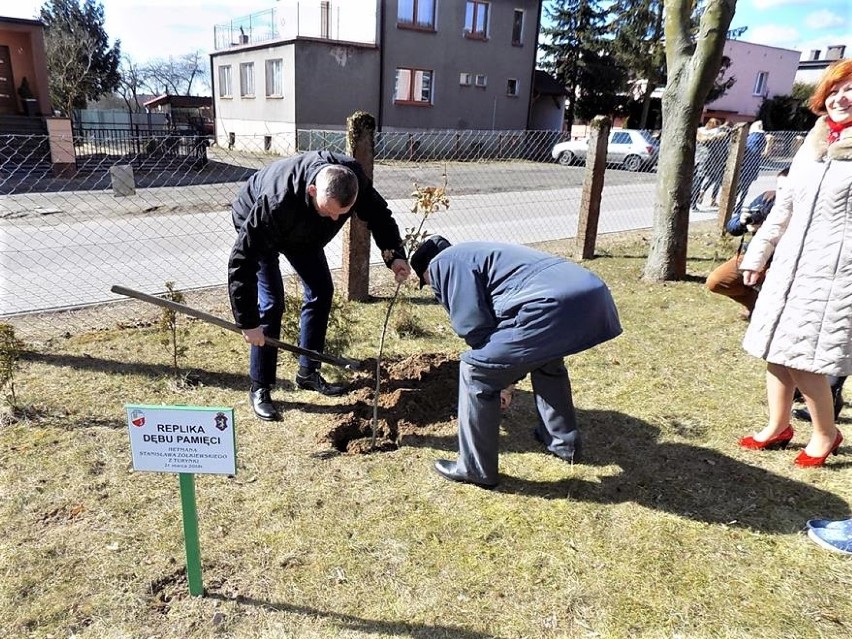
x: 63, y: 156
x: 728, y: 192
x: 590, y: 201
x: 360, y: 144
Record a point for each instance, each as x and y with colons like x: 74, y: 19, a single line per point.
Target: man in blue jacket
x: 294, y: 207
x: 520, y: 311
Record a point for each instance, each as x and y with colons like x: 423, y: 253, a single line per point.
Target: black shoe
x: 315, y: 382
x: 805, y: 415
x: 448, y: 470
x: 261, y: 402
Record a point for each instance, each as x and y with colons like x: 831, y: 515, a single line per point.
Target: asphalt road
x: 65, y: 262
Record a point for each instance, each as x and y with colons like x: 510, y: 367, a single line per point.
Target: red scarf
x: 834, y: 129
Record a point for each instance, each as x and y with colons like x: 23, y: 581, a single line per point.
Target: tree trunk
x: 692, y: 64
x: 667, y: 255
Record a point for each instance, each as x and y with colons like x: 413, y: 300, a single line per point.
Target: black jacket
x: 273, y: 214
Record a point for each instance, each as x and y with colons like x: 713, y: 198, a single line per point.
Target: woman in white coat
x: 802, y: 322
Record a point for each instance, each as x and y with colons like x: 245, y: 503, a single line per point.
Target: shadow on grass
x: 353, y: 623
x: 414, y: 298
x: 154, y: 371
x: 686, y: 480
x: 215, y: 379
x: 690, y: 481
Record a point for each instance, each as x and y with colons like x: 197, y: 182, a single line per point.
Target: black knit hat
x: 424, y: 254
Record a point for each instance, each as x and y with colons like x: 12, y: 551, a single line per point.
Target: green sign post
x: 185, y: 440
x: 190, y: 534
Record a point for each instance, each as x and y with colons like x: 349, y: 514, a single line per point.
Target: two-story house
x: 23, y: 68
x: 814, y: 65
x: 414, y: 64
x: 761, y: 72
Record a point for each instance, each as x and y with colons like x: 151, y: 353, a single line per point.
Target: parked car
x: 631, y: 148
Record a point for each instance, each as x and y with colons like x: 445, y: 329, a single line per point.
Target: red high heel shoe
x: 779, y: 441
x: 806, y: 461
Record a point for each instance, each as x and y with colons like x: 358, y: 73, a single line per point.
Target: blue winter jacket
x: 514, y: 305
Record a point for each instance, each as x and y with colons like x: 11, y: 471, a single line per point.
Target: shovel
x: 343, y: 362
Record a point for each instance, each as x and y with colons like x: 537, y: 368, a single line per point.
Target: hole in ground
x: 418, y: 395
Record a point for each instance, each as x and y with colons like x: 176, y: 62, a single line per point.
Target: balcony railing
x: 326, y: 20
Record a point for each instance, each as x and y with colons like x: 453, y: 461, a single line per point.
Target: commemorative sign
x: 182, y: 439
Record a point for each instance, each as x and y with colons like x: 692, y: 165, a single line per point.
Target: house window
x: 476, y: 20
x: 413, y: 86
x: 419, y: 14
x: 465, y: 79
x: 760, y: 83
x: 518, y: 28
x: 325, y: 19
x: 481, y: 80
x: 225, y: 87
x: 274, y: 79
x: 247, y: 79
x: 512, y: 87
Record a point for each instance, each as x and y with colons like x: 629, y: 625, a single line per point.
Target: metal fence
x: 160, y: 151
x: 66, y: 240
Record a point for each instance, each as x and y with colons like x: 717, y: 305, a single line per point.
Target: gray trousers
x: 479, y: 413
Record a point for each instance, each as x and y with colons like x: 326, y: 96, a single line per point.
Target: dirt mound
x: 418, y: 395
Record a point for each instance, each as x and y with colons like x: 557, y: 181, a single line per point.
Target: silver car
x: 631, y: 148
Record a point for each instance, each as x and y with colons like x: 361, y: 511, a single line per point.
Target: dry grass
x: 667, y: 530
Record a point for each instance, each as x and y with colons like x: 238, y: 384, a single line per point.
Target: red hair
x: 837, y: 72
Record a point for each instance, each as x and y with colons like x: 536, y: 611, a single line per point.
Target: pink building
x: 761, y: 72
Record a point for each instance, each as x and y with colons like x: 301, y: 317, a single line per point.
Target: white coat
x: 803, y: 315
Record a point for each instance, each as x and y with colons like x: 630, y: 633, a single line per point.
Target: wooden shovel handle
x: 343, y: 362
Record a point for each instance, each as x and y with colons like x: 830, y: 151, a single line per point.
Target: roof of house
x: 38, y: 23
x: 180, y: 101
x: 546, y: 84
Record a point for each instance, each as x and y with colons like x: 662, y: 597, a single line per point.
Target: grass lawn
x: 666, y: 529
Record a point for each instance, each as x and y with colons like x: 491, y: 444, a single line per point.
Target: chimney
x: 814, y: 55
x: 835, y: 52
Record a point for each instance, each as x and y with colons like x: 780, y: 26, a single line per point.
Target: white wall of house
x: 811, y: 75
x: 761, y: 71
x: 547, y: 114
x: 265, y: 111
x: 814, y: 63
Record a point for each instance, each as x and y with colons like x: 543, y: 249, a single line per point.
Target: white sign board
x: 182, y: 439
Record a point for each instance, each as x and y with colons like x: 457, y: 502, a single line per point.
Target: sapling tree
x: 427, y: 200
x: 10, y: 354
x: 169, y: 330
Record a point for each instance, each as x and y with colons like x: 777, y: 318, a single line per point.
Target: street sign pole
x: 190, y: 534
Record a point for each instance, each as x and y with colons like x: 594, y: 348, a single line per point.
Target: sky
x: 151, y: 29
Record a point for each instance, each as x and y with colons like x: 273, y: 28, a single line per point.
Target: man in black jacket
x: 294, y: 207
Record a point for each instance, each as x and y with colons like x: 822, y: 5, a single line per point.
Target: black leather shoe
x: 261, y: 402
x: 805, y: 415
x: 448, y: 470
x: 315, y: 382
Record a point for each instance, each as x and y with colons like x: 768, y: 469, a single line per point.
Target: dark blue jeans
x: 312, y: 269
